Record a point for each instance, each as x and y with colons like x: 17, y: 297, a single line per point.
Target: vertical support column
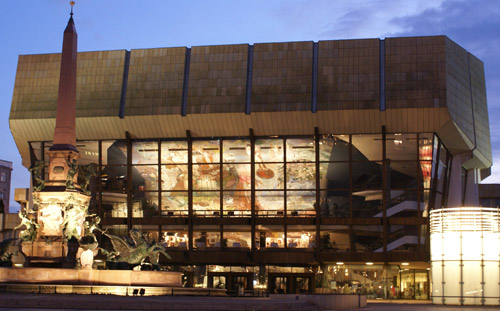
x: 314, y: 92
x: 318, y: 194
x: 252, y: 188
x: 158, y: 212
x: 248, y: 97
x: 129, y: 180
x: 455, y: 192
x: 385, y: 192
x: 419, y: 196
x: 221, y: 191
x: 123, y: 95
x: 285, y: 194
x: 190, y: 190
x: 185, y: 85
x: 382, y: 74
x: 352, y: 245
x: 221, y: 184
x: 99, y: 181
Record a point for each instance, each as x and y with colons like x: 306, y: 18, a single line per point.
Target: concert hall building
x: 296, y: 167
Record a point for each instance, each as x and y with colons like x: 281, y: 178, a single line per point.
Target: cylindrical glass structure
x: 465, y: 255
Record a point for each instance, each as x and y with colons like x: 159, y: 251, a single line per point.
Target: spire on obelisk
x: 64, y: 134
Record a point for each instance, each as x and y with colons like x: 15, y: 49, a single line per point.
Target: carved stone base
x: 60, y: 208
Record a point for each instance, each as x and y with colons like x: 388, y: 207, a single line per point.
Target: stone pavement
x: 20, y: 302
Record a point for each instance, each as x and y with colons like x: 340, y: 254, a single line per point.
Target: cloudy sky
x: 36, y: 26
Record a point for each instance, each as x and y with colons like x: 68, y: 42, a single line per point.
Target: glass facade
x: 318, y: 198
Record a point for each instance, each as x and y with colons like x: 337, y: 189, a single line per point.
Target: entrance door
x: 219, y: 281
x: 239, y: 284
x: 279, y: 285
x: 421, y: 285
x: 302, y: 285
x: 407, y: 285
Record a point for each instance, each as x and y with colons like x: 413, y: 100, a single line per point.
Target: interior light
x: 339, y: 263
x: 369, y: 263
x: 405, y: 264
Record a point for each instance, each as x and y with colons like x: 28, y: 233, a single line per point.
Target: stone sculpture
x: 8, y: 248
x: 36, y: 170
x: 138, y: 251
x: 72, y: 171
x: 28, y: 234
x: 88, y: 171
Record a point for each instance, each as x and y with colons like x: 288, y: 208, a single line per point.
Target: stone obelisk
x: 59, y: 203
x: 63, y: 151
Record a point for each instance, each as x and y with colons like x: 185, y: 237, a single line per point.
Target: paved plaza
x: 108, y: 302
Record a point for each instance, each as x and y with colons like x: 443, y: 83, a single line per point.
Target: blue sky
x: 36, y: 26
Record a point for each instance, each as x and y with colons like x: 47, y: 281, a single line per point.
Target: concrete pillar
x: 471, y: 188
x: 455, y: 190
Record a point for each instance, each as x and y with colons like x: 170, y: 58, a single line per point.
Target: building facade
x: 5, y: 176
x: 294, y: 167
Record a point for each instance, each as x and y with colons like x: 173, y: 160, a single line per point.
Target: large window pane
x: 144, y: 152
x: 114, y: 152
x: 334, y: 148
x: 89, y: 152
x: 403, y: 174
x: 236, y: 150
x: 300, y: 203
x: 367, y: 238
x: 237, y: 236
x: 114, y: 178
x: 206, y: 236
x: 174, y: 203
x: 145, y: 177
x: 144, y: 204
x: 269, y: 150
x: 174, y: 152
x: 206, y: 151
x: 335, y: 238
x: 174, y: 177
x: 301, y: 176
x: 367, y: 175
x: 367, y: 203
x: 334, y: 203
x: 269, y: 203
x: 425, y: 147
x: 367, y: 147
x: 114, y: 204
x: 269, y: 176
x: 236, y: 177
x: 300, y: 150
x: 237, y: 203
x: 205, y: 203
x: 175, y: 236
x: 334, y: 175
x: 401, y: 146
x: 301, y: 237
x: 269, y: 237
x: 206, y: 176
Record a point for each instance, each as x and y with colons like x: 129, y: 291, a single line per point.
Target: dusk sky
x: 35, y: 27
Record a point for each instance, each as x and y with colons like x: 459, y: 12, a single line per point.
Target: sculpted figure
x: 89, y: 171
x: 74, y: 217
x: 28, y: 234
x: 89, y: 240
x: 138, y: 251
x: 8, y: 248
x: 36, y: 170
x: 72, y: 171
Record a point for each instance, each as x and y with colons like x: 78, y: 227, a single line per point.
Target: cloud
x: 329, y: 19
